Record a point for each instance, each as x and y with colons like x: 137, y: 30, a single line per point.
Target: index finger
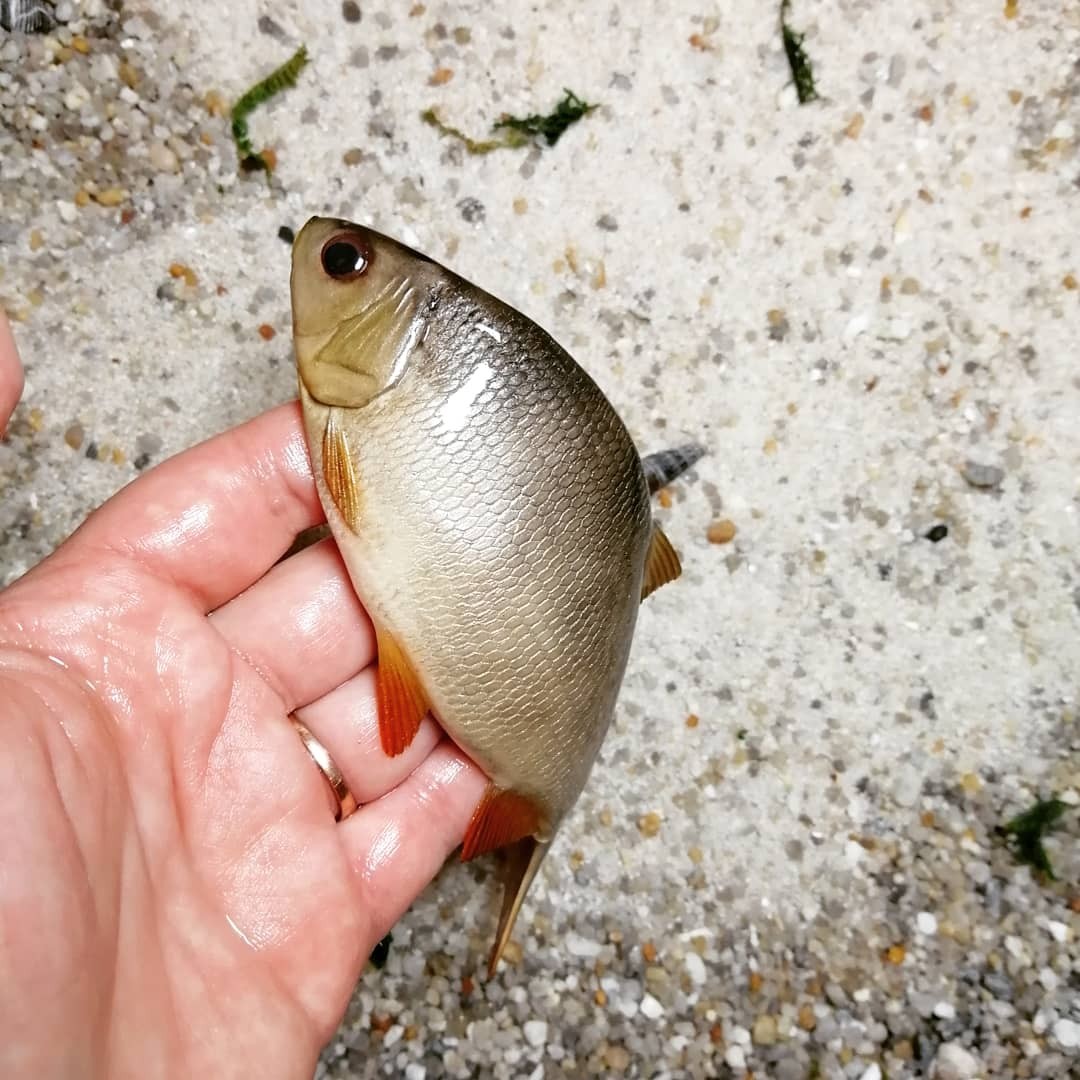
x: 11, y: 373
x: 215, y: 518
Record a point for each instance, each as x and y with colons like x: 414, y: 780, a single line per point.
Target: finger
x: 215, y: 518
x: 11, y: 373
x: 301, y: 627
x: 346, y: 722
x: 397, y: 845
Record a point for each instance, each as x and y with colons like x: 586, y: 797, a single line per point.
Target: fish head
x: 358, y: 303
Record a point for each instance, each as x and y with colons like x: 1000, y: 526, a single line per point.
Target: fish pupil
x: 342, y: 258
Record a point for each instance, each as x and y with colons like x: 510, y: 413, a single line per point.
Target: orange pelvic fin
x: 401, y: 700
x: 500, y: 818
x: 661, y: 563
x: 339, y: 473
x: 523, y: 860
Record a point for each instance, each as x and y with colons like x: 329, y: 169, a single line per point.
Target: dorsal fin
x: 661, y: 564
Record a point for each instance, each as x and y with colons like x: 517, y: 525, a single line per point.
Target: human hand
x: 175, y: 896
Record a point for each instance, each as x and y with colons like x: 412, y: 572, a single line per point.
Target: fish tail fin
x: 523, y: 859
x: 666, y: 465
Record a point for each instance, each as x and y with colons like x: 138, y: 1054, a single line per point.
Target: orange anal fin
x: 522, y: 861
x: 661, y: 563
x: 340, y: 473
x: 401, y: 700
x: 500, y: 818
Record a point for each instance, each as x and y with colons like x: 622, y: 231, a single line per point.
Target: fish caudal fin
x: 401, y: 700
x: 500, y: 818
x: 667, y: 465
x: 523, y: 860
x: 661, y: 563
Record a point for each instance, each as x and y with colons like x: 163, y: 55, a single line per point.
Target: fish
x: 494, y: 518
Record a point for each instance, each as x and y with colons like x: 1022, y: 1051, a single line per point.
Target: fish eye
x: 345, y: 257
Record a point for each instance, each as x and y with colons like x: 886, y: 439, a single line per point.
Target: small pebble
x: 721, y: 532
x: 286, y: 234
x: 953, y: 1062
x: 937, y: 533
x: 472, y: 210
x: 74, y: 436
x: 350, y: 11
x: 651, y: 1008
x: 1066, y: 1033
x: 353, y: 156
x: 215, y: 103
x: 926, y: 923
x: 695, y: 968
x: 1057, y: 930
x: 764, y: 1033
x: 982, y: 476
x: 162, y: 158
x: 536, y: 1032
x: 180, y: 270
x: 576, y: 945
x: 617, y: 1057
x: 735, y: 1058
x: 271, y: 28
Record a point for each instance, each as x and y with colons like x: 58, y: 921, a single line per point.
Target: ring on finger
x: 346, y: 801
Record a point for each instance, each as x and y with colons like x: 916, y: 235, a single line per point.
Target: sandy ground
x: 866, y: 307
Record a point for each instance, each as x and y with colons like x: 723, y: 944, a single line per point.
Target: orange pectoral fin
x: 339, y: 473
x: 661, y: 563
x: 501, y: 817
x: 401, y: 700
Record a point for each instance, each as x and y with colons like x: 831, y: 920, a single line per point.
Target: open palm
x: 175, y: 896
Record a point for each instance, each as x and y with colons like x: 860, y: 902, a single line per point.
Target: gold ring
x: 346, y: 801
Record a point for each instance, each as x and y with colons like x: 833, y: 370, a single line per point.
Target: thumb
x: 11, y: 373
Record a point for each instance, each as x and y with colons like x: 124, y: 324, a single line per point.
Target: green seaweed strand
x: 551, y: 127
x: 802, y: 71
x: 1028, y: 829
x: 519, y: 130
x: 278, y: 80
x: 474, y: 146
